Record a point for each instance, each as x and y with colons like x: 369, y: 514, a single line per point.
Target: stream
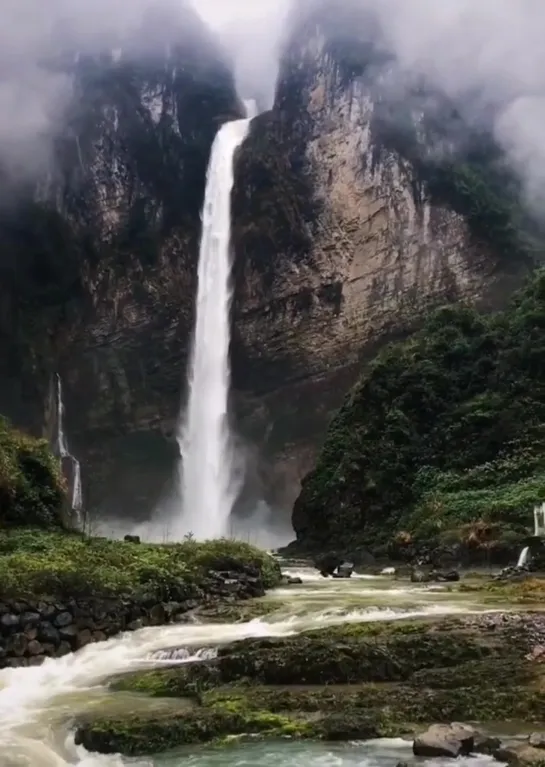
x: 38, y: 704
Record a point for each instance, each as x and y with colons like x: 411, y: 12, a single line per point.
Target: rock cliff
x: 342, y: 238
x: 99, y: 258
x: 348, y: 230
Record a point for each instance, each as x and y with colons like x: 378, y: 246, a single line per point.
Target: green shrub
x: 31, y: 483
x: 36, y: 563
x: 443, y: 430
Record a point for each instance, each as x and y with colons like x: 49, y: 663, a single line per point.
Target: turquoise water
x: 383, y: 753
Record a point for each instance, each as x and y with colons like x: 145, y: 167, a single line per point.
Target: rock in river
x: 442, y: 740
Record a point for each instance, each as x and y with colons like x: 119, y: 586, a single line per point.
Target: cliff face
x: 99, y: 258
x: 340, y: 240
x: 343, y: 241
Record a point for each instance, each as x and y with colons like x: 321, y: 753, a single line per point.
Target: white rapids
x: 36, y: 703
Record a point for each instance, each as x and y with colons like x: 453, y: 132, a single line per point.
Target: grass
x: 34, y: 563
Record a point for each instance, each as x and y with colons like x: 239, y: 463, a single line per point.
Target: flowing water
x: 209, y: 478
x: 64, y: 452
x: 37, y: 704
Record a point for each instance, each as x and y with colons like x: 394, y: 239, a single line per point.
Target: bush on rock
x: 442, y: 432
x: 31, y: 483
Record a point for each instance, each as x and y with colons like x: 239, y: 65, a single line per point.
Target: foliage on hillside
x: 31, y: 483
x: 36, y: 563
x: 443, y: 432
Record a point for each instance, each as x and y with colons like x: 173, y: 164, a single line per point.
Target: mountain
x: 362, y: 199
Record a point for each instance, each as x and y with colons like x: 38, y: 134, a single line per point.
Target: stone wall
x: 31, y: 631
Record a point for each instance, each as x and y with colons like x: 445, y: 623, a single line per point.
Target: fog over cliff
x: 492, y: 49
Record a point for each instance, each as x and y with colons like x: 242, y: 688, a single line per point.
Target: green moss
x: 441, y: 439
x: 36, y: 563
x: 136, y: 736
x: 31, y: 483
x: 323, y: 687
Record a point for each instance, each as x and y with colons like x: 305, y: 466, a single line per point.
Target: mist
x: 37, y: 40
x: 493, y: 48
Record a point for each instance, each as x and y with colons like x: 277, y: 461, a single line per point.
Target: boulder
x: 294, y: 581
x: 84, y: 638
x: 485, y: 744
x: 35, y: 648
x: 9, y: 621
x: 48, y: 633
x: 344, y: 570
x: 537, y: 740
x: 445, y: 740
x: 63, y: 619
x: 327, y: 564
x: 449, y: 576
x: 519, y: 755
x: 157, y: 615
x: 18, y: 644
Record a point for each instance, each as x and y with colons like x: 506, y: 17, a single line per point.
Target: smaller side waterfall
x: 523, y: 557
x: 64, y: 453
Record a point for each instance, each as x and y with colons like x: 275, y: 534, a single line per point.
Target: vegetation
x: 35, y: 563
x: 442, y: 439
x: 31, y: 482
x: 347, y: 682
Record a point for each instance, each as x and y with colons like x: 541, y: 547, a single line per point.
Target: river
x: 38, y: 704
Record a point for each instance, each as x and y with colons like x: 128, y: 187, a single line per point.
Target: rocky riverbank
x: 355, y: 681
x: 60, y: 592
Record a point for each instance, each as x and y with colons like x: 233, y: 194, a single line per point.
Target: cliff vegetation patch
x: 441, y: 439
x: 31, y: 482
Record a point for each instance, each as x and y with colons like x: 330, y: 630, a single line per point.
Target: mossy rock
x: 141, y: 735
x: 340, y: 655
x: 342, y: 683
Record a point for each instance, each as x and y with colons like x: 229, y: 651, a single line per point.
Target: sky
x: 495, y: 47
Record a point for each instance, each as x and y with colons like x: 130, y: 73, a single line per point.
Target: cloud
x: 252, y: 30
x: 492, y: 49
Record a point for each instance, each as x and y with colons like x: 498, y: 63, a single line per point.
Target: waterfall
x: 523, y: 557
x: 64, y: 452
x: 209, y: 480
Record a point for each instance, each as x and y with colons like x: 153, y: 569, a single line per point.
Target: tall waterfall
x: 209, y: 480
x: 64, y: 452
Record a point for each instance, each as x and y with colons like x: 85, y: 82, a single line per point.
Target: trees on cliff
x: 442, y: 437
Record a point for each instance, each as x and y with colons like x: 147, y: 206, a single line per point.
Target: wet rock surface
x: 33, y: 631
x: 425, y: 678
x: 445, y: 740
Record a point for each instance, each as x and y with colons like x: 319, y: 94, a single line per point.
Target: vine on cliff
x: 443, y: 430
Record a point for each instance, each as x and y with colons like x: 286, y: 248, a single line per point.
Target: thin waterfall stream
x: 64, y: 453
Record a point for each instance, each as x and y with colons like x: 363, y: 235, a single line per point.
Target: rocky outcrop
x: 351, y: 682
